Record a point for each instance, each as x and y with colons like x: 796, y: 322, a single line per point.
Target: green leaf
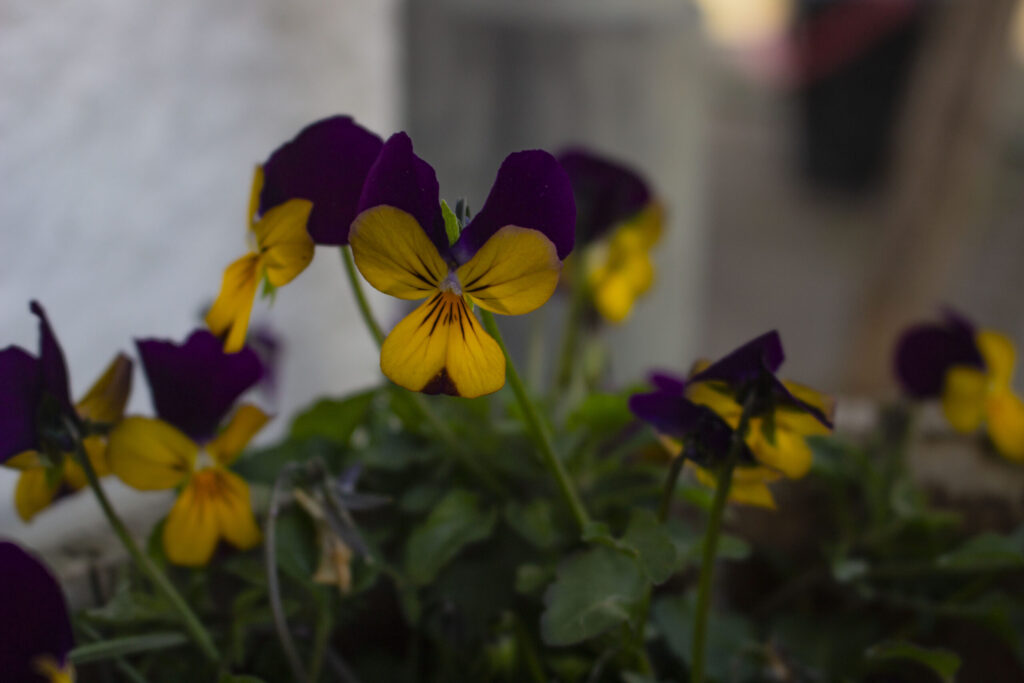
x: 333, y: 419
x: 238, y: 678
x: 456, y: 522
x: 296, y: 545
x: 847, y: 569
x: 689, y: 544
x: 943, y: 662
x: 530, y: 578
x: 129, y: 645
x: 594, y: 591
x: 601, y: 413
x: 451, y: 223
x: 986, y: 552
x: 533, y: 521
x: 653, y: 542
x: 729, y: 636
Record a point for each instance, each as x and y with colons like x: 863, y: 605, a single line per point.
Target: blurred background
x: 834, y: 169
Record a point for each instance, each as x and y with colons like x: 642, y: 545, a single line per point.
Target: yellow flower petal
x: 963, y: 397
x: 799, y: 421
x: 244, y: 424
x: 24, y: 460
x: 229, y: 316
x: 442, y: 348
x: 749, y: 485
x: 33, y: 493
x: 790, y: 454
x: 149, y: 454
x: 254, y: 195
x: 106, y: 398
x: 1005, y: 414
x: 708, y: 394
x: 96, y: 449
x: 394, y: 254
x: 215, y: 503
x: 614, y: 297
x: 514, y: 272
x: 48, y: 668
x: 284, y: 244
x: 997, y: 351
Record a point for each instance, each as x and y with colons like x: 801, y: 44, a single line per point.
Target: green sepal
x: 451, y: 223
x: 269, y: 291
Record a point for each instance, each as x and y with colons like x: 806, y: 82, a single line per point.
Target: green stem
x: 415, y: 401
x: 321, y: 634
x: 711, y: 534
x: 357, y: 291
x: 273, y: 582
x: 538, y: 428
x: 189, y: 619
x: 670, y: 486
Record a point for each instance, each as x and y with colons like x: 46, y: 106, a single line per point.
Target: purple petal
x: 195, y: 384
x: 761, y: 355
x: 606, y: 193
x: 35, y: 616
x: 668, y: 413
x: 53, y: 369
x: 668, y: 382
x: 925, y: 352
x: 785, y: 397
x: 326, y: 163
x: 19, y: 396
x: 706, y: 437
x: 401, y: 179
x: 531, y: 191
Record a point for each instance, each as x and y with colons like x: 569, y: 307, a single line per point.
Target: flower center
x: 204, y: 461
x: 451, y: 284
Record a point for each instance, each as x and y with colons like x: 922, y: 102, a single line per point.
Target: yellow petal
x: 799, y: 421
x: 514, y: 272
x: 673, y: 446
x: 244, y: 424
x: 254, y: 194
x: 24, y: 460
x: 646, y: 226
x: 106, y: 398
x: 284, y: 244
x: 1000, y: 358
x: 790, y: 453
x: 1005, y: 414
x: 394, y: 254
x: 96, y: 449
x: 149, y: 454
x: 48, y: 668
x: 614, y: 297
x: 33, y: 493
x: 191, y: 530
x: 233, y: 507
x: 228, y: 318
x: 963, y: 397
x: 749, y: 485
x: 709, y: 394
x: 442, y: 348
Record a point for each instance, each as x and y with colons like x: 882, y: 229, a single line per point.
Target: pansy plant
x: 194, y: 385
x: 34, y: 403
x: 971, y: 371
x: 304, y: 194
x: 618, y: 221
x: 506, y: 260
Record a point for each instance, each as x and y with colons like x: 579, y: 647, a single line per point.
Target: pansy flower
x: 506, y: 260
x: 305, y: 193
x: 34, y: 399
x: 971, y: 371
x: 35, y: 629
x: 780, y: 417
x: 618, y: 221
x: 193, y: 386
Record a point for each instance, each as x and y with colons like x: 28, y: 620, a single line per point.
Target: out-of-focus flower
x: 34, y: 398
x: 617, y: 223
x: 194, y: 386
x: 780, y: 417
x: 35, y: 629
x: 305, y: 193
x: 507, y: 260
x: 971, y: 371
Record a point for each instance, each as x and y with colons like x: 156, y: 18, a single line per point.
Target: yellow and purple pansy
x: 506, y: 260
x: 305, y: 194
x: 35, y: 629
x: 194, y: 385
x: 971, y: 371
x: 780, y: 417
x: 618, y: 221
x: 34, y: 401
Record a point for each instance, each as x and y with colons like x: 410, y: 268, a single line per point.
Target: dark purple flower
x: 326, y: 163
x: 194, y: 384
x: 531, y: 191
x: 33, y: 392
x: 925, y: 352
x: 35, y: 631
x: 606, y: 192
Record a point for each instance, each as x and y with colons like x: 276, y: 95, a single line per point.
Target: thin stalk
x: 321, y: 634
x: 574, y: 321
x: 466, y: 459
x: 273, y: 583
x: 670, y: 486
x: 711, y: 535
x: 130, y: 672
x: 189, y: 620
x: 538, y: 428
x: 357, y: 291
